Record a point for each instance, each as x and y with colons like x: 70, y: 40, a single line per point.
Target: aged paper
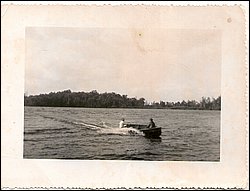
x: 229, y: 172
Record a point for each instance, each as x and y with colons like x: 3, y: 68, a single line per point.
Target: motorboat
x: 154, y: 132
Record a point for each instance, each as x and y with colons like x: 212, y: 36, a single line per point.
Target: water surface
x: 93, y: 133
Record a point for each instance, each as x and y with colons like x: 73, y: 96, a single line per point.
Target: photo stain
x: 229, y: 20
x: 138, y: 40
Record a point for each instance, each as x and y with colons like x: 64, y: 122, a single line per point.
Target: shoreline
x: 125, y: 108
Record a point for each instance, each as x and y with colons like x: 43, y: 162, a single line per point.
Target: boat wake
x: 102, y: 128
x: 107, y: 129
x: 120, y: 131
x: 88, y: 125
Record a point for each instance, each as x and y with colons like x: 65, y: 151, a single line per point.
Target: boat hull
x: 152, y: 132
x: 148, y: 132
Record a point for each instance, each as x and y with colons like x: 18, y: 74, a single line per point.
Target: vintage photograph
x: 151, y: 94
x: 125, y: 96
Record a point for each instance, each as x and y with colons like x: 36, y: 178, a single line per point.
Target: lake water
x: 93, y: 134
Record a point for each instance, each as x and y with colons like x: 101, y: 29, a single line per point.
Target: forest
x: 94, y: 99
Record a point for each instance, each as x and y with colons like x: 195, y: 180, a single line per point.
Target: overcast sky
x: 157, y: 64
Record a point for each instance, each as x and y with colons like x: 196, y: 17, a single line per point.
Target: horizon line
x: 136, y: 97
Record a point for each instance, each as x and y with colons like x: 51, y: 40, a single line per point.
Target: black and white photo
x: 122, y: 94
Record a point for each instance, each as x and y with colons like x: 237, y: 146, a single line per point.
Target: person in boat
x: 151, y: 123
x: 121, y: 124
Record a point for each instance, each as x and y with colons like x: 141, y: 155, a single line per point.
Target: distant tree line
x: 94, y: 99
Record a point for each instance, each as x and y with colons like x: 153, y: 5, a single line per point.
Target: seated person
x: 121, y: 124
x: 151, y: 124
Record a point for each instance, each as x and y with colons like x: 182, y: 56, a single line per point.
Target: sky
x: 153, y: 63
